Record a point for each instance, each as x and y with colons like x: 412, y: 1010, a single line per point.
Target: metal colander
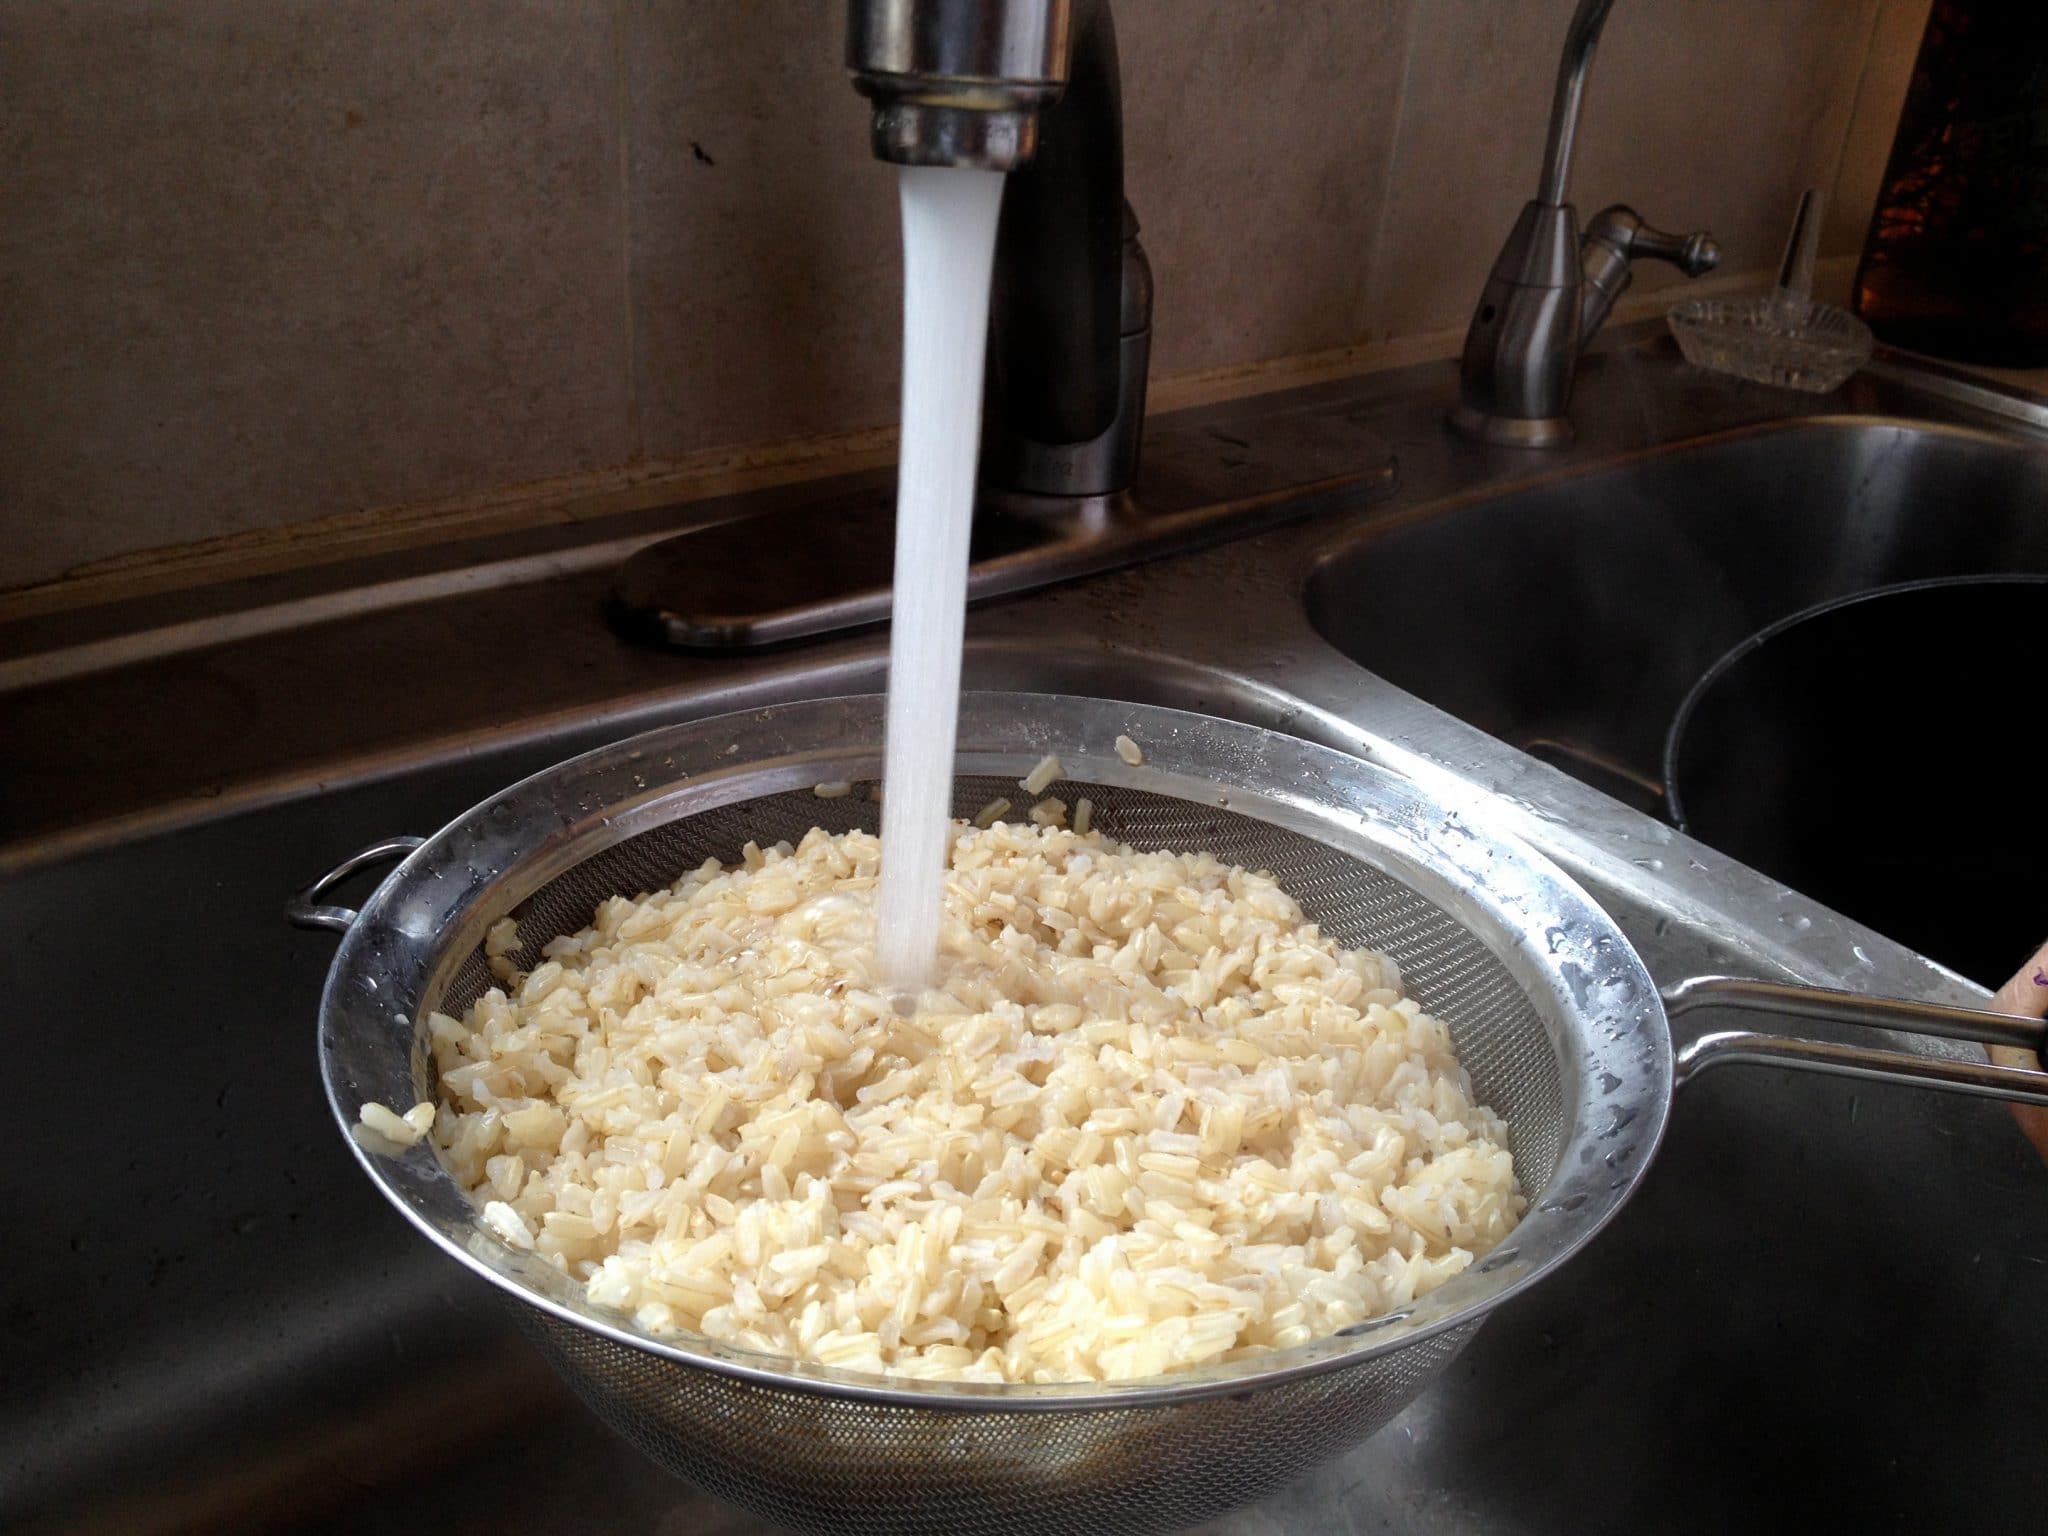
x: 1553, y: 1016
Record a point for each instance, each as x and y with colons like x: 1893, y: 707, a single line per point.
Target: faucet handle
x: 1695, y: 254
x: 1615, y: 240
x: 1623, y: 231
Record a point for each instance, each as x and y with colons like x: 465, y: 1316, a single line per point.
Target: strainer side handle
x: 305, y: 909
x: 2024, y: 1085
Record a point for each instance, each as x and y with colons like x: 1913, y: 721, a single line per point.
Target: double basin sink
x: 1569, y: 618
x: 1574, y: 618
x: 1826, y: 1300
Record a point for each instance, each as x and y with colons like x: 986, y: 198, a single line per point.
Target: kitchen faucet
x: 1550, y: 290
x: 1030, y: 87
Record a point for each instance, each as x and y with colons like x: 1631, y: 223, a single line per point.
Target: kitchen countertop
x: 1828, y: 1302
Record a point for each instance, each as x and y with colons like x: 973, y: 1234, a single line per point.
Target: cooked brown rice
x: 1154, y: 1118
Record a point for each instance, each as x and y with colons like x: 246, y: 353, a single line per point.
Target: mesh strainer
x: 1553, y: 1014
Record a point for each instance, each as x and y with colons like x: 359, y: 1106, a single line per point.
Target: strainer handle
x: 2024, y: 1085
x: 305, y: 909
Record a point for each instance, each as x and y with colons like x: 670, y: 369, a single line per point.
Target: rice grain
x: 1035, y: 782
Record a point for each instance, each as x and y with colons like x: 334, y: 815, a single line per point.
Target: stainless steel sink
x: 1569, y: 617
x: 214, y: 1326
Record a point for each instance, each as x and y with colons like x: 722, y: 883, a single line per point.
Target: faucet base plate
x: 820, y: 563
x: 1511, y: 431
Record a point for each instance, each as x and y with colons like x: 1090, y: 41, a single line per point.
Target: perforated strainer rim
x: 1578, y: 971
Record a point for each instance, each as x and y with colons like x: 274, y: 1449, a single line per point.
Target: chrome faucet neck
x: 1580, y: 39
x: 1070, y: 315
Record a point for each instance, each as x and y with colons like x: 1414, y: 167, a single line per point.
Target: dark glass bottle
x: 1956, y: 262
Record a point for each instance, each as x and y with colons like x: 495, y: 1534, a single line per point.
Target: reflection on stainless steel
x: 733, y: 584
x: 1960, y: 386
x: 222, y: 1328
x: 1549, y: 290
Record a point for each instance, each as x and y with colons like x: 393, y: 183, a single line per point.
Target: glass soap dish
x: 1798, y: 345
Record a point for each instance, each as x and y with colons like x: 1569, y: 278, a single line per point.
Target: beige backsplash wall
x: 262, y: 265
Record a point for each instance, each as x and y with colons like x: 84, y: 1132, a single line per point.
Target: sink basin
x: 1570, y: 616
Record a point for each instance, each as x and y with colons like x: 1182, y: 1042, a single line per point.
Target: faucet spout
x: 958, y: 82
x: 1580, y: 39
